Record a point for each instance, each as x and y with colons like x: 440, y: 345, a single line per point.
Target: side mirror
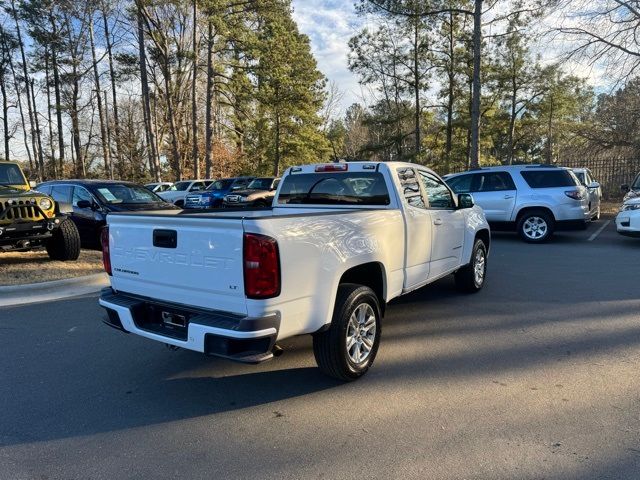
x: 465, y: 200
x: 32, y: 184
x: 594, y: 185
x: 84, y: 204
x: 624, y: 188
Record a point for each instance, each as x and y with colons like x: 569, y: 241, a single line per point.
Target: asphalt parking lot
x: 534, y: 377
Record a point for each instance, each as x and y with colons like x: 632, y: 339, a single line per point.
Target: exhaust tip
x: 277, y: 350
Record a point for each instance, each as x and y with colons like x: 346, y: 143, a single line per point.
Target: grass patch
x: 17, y: 268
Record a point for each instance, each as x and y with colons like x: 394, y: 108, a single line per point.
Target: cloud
x: 330, y: 24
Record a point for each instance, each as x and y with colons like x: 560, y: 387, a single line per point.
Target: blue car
x: 213, y: 196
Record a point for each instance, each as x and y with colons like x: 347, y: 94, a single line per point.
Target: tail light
x: 332, y: 167
x: 106, y: 253
x: 261, y: 266
x: 575, y: 194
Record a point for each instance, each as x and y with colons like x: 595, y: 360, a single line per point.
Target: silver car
x: 535, y: 200
x: 595, y: 190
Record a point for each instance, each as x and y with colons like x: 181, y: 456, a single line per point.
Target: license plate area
x: 162, y: 320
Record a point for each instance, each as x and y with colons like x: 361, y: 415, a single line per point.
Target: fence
x: 609, y: 172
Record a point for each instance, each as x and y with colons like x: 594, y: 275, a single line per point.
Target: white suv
x: 536, y: 200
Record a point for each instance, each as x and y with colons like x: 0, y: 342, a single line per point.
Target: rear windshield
x: 220, y: 184
x: 549, y: 178
x: 334, y: 188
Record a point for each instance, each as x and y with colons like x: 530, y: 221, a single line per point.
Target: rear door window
x: 410, y: 187
x: 494, y: 182
x: 61, y: 193
x: 461, y: 184
x: 549, y: 178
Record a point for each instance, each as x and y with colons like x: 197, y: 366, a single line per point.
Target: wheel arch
x: 372, y: 275
x: 484, y: 235
x: 542, y: 208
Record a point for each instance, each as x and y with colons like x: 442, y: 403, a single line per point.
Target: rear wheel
x: 348, y: 348
x: 179, y: 203
x: 535, y: 226
x: 597, y: 215
x: 64, y: 245
x: 470, y: 278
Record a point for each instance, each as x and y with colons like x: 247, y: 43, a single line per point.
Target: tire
x: 64, y: 245
x: 260, y: 204
x: 597, y: 215
x: 355, y: 305
x: 535, y: 226
x: 471, y: 277
x: 179, y: 203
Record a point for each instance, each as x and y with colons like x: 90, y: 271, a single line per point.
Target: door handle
x: 507, y: 197
x: 437, y: 221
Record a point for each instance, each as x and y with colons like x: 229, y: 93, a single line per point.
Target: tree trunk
x: 209, y: 104
x: 276, y: 163
x: 477, y: 83
x: 108, y: 168
x: 512, y: 121
x: 194, y: 100
x: 38, y: 135
x: 154, y: 161
x: 25, y: 72
x: 112, y: 77
x: 47, y: 78
x: 173, y: 129
x: 56, y: 87
x: 550, y: 134
x: 5, y: 116
x: 416, y: 82
x: 75, y: 126
x: 24, y: 124
x: 450, y: 93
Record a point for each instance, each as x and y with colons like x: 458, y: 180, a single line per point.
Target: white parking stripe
x: 599, y: 231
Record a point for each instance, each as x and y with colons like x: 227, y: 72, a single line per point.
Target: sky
x: 330, y: 24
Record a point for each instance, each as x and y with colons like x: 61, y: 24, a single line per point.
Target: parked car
x: 342, y: 240
x: 628, y: 218
x: 93, y: 200
x: 158, y: 186
x: 594, y: 190
x: 535, y: 200
x: 32, y: 220
x: 178, y: 191
x: 259, y: 193
x: 213, y: 196
x: 633, y: 190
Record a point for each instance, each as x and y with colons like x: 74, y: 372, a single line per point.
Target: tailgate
x: 177, y: 259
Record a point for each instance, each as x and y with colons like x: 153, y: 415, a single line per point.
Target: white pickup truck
x: 340, y: 241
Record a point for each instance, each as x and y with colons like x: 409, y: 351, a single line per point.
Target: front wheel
x: 64, y: 244
x: 347, y: 349
x: 471, y: 277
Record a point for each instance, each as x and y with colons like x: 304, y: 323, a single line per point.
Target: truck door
x: 418, y: 229
x: 448, y: 225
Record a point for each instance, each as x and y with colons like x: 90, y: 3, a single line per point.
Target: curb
x: 56, y: 290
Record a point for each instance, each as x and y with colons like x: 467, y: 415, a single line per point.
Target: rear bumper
x: 222, y: 334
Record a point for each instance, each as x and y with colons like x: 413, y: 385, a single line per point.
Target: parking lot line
x: 599, y: 231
